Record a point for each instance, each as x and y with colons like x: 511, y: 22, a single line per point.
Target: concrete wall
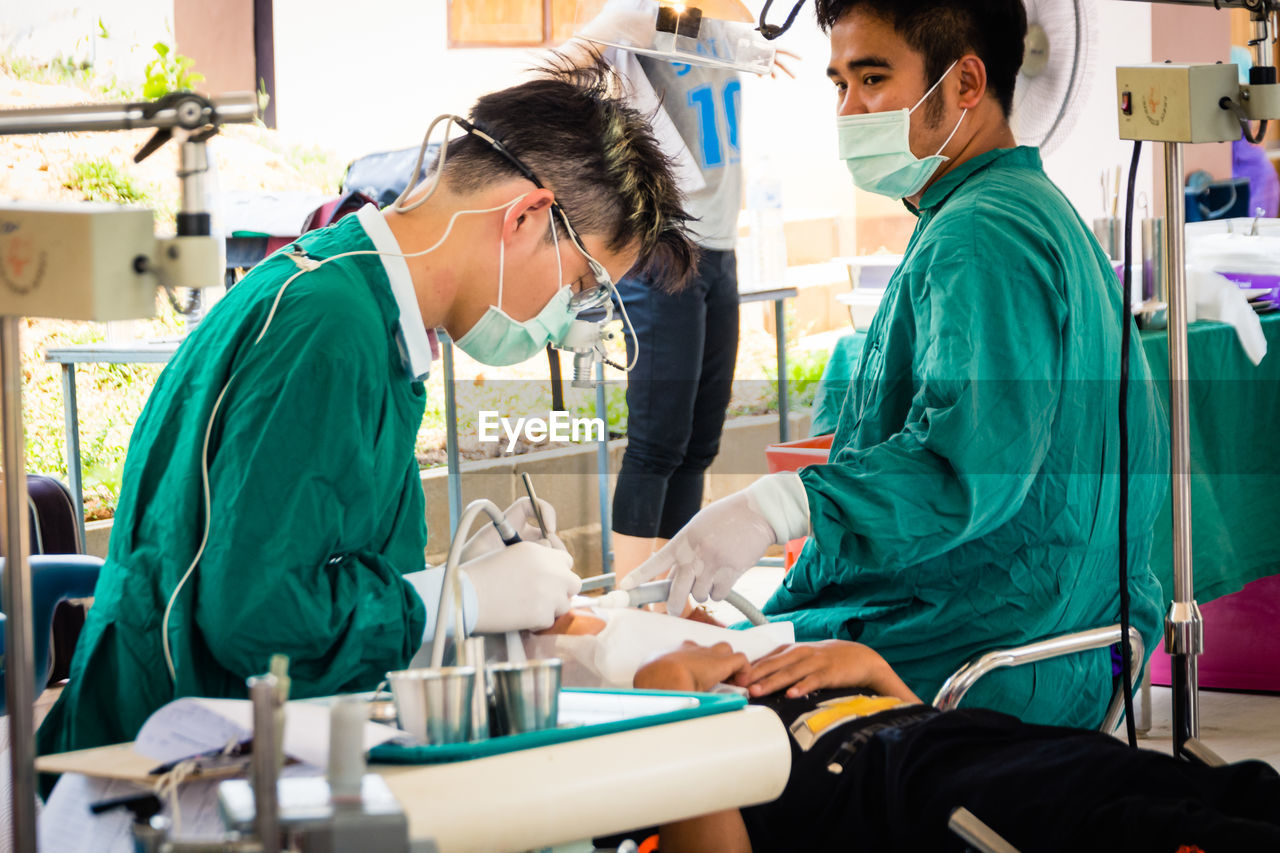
x: 219, y: 37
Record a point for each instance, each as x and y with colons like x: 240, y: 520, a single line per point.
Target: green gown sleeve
x: 986, y: 358
x: 314, y: 528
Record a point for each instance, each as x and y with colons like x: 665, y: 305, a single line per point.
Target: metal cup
x: 1110, y: 233
x: 474, y: 648
x: 1153, y: 295
x: 434, y: 704
x: 526, y: 695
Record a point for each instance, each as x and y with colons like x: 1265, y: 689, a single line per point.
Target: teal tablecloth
x: 1235, y: 452
x: 1235, y: 459
x: 835, y: 382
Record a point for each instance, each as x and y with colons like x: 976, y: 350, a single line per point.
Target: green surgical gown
x: 971, y: 498
x: 315, y: 499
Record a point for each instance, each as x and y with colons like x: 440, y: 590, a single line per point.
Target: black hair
x: 572, y: 128
x: 944, y: 30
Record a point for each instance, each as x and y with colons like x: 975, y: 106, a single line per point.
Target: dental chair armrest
x: 955, y: 687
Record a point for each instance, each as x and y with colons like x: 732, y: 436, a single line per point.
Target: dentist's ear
x: 516, y: 224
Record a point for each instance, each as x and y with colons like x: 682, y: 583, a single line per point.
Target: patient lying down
x: 872, y: 768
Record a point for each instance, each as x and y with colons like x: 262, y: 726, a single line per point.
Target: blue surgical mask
x: 877, y: 149
x: 499, y: 340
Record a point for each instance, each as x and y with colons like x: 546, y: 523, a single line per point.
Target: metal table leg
x: 1143, y: 723
x: 451, y: 437
x: 602, y: 475
x: 1184, y: 626
x: 71, y: 413
x: 19, y: 645
x: 780, y: 326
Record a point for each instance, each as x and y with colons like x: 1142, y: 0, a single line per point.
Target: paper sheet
x: 191, y: 726
x: 581, y: 709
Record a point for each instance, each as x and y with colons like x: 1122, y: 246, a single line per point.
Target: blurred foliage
x: 109, y: 399
x: 804, y: 372
x: 99, y: 179
x: 169, y: 71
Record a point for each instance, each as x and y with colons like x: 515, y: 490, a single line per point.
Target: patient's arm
x: 805, y: 667
x: 692, y: 667
x: 696, y: 667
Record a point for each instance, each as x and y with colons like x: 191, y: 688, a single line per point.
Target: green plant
x: 99, y: 179
x: 59, y: 70
x: 264, y: 99
x: 170, y: 71
x: 804, y: 372
x: 317, y: 166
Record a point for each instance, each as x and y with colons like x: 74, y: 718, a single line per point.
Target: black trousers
x: 1042, y: 788
x: 676, y: 394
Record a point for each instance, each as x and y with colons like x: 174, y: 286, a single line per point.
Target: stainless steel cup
x: 526, y: 695
x: 1153, y: 267
x: 474, y: 647
x: 1110, y: 233
x: 434, y: 704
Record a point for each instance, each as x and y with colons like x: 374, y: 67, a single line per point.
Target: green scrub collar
x: 942, y: 188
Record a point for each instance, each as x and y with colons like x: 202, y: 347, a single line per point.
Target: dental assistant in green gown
x: 305, y: 383
x: 970, y: 501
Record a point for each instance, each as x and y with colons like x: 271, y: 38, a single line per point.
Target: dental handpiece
x: 656, y: 592
x: 505, y: 530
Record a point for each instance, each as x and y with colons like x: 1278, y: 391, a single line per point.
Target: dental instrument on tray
x: 656, y: 592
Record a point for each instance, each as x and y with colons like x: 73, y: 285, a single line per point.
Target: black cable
x: 1126, y: 324
x: 772, y: 31
x: 1249, y: 135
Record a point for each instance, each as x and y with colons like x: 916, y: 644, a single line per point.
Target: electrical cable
x: 1249, y: 136
x: 772, y: 31
x: 1126, y: 324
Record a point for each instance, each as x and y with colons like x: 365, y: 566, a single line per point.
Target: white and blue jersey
x: 705, y: 105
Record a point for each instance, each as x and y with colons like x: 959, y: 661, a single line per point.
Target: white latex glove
x: 521, y: 587
x: 520, y: 514
x: 721, y: 542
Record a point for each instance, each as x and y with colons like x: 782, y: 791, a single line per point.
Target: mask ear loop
x: 555, y: 241
x: 502, y: 259
x: 926, y: 95
x: 954, y: 130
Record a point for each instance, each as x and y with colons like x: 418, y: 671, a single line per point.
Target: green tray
x: 707, y: 704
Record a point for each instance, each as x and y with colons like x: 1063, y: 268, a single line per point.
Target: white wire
x: 399, y: 205
x: 204, y: 453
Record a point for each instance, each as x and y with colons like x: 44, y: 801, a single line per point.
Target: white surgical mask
x: 877, y: 149
x: 498, y: 339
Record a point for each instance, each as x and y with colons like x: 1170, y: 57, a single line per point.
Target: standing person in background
x: 679, y: 389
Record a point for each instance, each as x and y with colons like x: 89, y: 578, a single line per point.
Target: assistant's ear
x: 518, y: 220
x: 973, y: 81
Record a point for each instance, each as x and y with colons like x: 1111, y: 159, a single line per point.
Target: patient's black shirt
x: 903, y: 771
